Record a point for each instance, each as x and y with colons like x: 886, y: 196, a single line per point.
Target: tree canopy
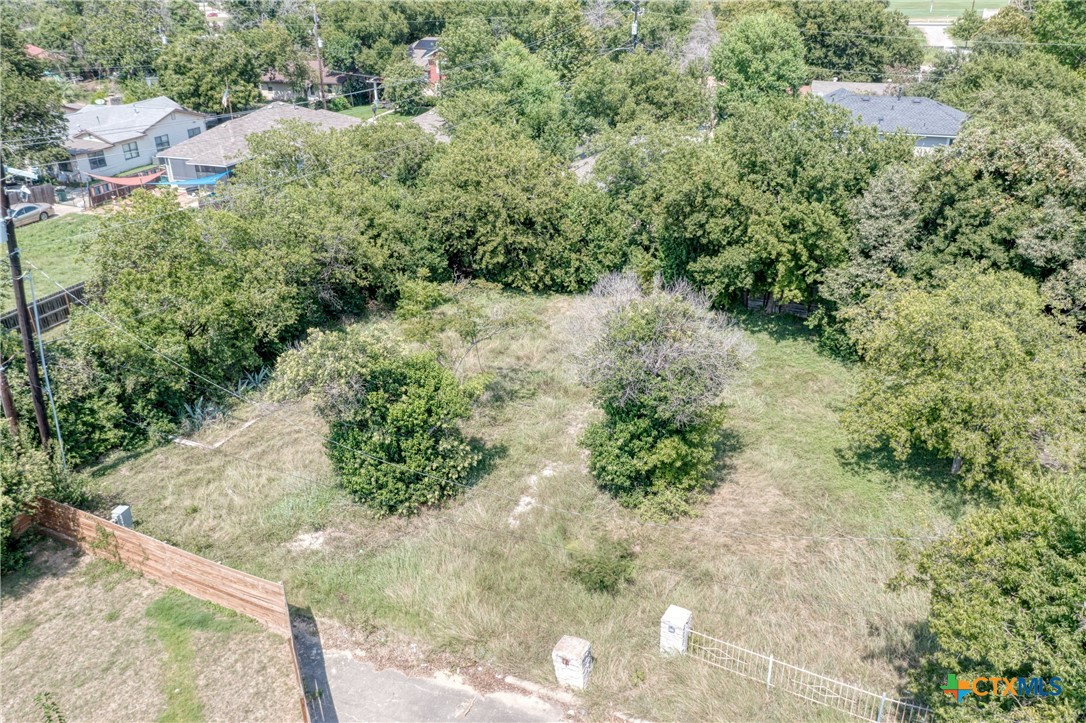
x: 759, y: 56
x: 1007, y: 588
x: 974, y: 371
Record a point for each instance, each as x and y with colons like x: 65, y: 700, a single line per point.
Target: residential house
x: 108, y: 139
x: 425, y: 54
x: 273, y: 86
x: 227, y: 144
x: 929, y: 122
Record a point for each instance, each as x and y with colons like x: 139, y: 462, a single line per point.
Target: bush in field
x: 393, y: 438
x: 659, y: 368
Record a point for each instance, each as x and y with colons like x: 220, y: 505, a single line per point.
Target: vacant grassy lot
x: 102, y: 643
x: 54, y: 246
x: 943, y: 8
x: 470, y: 580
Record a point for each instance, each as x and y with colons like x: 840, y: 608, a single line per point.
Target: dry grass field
x: 101, y: 643
x: 760, y: 566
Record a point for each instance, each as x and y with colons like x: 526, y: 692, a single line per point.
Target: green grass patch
x: 943, y: 8
x: 365, y: 112
x: 107, y: 573
x: 13, y: 635
x: 174, y: 618
x: 54, y: 246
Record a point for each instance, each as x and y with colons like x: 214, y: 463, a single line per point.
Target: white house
x: 227, y: 144
x: 108, y: 139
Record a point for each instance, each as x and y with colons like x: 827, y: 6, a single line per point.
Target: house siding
x: 176, y: 126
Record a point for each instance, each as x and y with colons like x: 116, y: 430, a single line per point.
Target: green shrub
x: 643, y: 464
x: 393, y: 441
x: 26, y: 473
x: 606, y: 568
x: 659, y: 369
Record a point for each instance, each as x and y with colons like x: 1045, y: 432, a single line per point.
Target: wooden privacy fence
x: 38, y: 194
x: 260, y: 599
x: 53, y: 310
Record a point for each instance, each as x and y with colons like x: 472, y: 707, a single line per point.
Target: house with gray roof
x: 928, y: 121
x: 226, y: 145
x: 108, y: 139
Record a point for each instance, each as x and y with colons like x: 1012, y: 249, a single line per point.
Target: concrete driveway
x: 342, y: 686
x: 357, y: 692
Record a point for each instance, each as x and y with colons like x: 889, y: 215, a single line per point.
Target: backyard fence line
x: 53, y: 310
x: 263, y: 600
x: 678, y: 636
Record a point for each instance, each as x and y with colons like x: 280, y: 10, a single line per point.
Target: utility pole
x: 633, y: 28
x: 23, y: 313
x: 320, y: 62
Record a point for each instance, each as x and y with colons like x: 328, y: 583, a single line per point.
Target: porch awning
x: 128, y: 180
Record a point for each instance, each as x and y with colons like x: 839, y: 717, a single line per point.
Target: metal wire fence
x: 848, y: 699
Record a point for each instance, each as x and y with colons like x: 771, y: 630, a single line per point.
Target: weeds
x: 607, y: 568
x: 49, y: 708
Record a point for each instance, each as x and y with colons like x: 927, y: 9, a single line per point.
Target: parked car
x: 25, y: 213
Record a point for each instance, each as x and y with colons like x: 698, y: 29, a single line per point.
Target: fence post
x: 675, y: 630
x: 881, y: 704
x: 769, y: 674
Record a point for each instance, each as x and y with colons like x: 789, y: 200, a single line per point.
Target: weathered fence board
x: 45, y: 193
x: 250, y: 595
x: 53, y: 310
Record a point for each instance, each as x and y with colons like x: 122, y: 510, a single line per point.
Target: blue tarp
x: 205, y: 181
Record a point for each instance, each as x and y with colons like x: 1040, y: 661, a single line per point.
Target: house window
x: 193, y: 132
x: 210, y: 170
x: 162, y: 143
x: 97, y: 160
x: 65, y: 166
x: 131, y: 150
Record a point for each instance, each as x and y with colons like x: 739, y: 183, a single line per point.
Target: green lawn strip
x: 365, y: 112
x: 55, y: 247
x: 943, y: 8
x: 174, y: 618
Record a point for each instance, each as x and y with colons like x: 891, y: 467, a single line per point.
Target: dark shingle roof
x: 916, y: 116
x: 227, y: 143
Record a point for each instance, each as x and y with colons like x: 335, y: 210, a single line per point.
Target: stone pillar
x: 572, y: 659
x: 675, y: 630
